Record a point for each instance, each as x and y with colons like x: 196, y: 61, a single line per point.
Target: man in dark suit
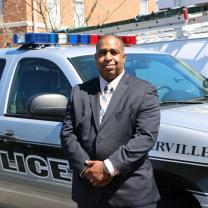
x: 106, y: 136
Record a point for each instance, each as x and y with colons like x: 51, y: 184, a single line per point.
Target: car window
x: 173, y: 80
x: 34, y: 76
x: 2, y: 65
x: 85, y: 66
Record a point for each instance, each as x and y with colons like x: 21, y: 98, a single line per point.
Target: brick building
x: 48, y: 15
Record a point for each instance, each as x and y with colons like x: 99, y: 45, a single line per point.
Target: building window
x: 79, y: 19
x: 54, y: 13
x: 144, y: 7
x: 178, y: 3
x: 156, y: 6
x: 1, y: 7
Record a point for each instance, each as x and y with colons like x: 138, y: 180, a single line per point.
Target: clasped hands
x: 95, y: 173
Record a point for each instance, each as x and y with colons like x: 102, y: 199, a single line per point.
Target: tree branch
x: 91, y: 12
x: 118, y: 7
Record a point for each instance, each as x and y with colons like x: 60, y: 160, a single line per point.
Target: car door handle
x: 8, y: 135
x: 9, y: 132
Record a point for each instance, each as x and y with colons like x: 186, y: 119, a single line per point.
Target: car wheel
x: 178, y: 200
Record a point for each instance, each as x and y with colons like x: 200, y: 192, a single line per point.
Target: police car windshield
x: 174, y: 80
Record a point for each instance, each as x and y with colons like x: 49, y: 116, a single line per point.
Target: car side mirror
x: 205, y: 83
x: 47, y: 105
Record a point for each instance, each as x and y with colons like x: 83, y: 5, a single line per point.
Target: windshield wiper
x: 197, y: 100
x: 183, y: 101
x: 203, y: 98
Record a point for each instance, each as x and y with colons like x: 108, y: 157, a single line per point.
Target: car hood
x: 193, y: 116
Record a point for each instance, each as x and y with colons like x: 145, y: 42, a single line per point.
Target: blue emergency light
x: 84, y: 39
x: 79, y: 39
x: 73, y: 39
x: 41, y: 38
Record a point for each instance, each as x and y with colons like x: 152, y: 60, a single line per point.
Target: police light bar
x: 60, y: 38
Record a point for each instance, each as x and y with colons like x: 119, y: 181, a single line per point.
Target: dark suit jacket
x: 128, y: 131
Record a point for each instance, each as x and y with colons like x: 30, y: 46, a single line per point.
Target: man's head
x: 110, y: 56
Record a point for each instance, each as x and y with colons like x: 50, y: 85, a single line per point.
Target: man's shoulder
x: 137, y: 81
x: 88, y: 86
x: 91, y: 82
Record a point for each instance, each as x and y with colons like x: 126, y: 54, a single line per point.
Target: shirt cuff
x: 82, y: 173
x: 111, y: 168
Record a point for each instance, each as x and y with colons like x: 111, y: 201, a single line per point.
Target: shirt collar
x: 113, y: 83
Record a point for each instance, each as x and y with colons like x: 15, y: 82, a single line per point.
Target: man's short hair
x: 109, y: 35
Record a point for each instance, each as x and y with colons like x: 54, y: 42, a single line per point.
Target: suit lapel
x: 94, y: 101
x: 119, y: 92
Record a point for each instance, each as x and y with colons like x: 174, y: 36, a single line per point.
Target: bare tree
x: 91, y: 12
x: 49, y: 11
x: 42, y: 9
x: 5, y: 32
x: 109, y: 14
x: 106, y: 14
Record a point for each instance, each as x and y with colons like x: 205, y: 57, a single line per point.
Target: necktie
x: 105, y: 98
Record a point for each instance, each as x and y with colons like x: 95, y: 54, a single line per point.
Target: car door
x: 34, y: 172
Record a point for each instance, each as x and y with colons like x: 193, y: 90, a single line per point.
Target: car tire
x: 178, y: 200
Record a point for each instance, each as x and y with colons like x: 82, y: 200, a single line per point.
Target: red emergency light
x: 129, y: 40
x: 94, y: 39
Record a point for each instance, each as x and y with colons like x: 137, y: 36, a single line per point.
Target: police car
x: 35, y: 83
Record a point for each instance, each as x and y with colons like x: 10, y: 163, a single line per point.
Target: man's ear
x: 124, y: 56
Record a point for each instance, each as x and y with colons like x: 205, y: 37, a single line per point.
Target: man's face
x: 110, y: 58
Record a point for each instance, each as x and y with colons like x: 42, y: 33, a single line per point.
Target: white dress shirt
x: 111, y: 169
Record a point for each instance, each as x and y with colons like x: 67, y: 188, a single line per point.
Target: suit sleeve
x: 70, y: 144
x: 129, y: 156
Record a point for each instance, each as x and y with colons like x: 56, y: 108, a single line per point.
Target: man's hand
x: 95, y: 173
